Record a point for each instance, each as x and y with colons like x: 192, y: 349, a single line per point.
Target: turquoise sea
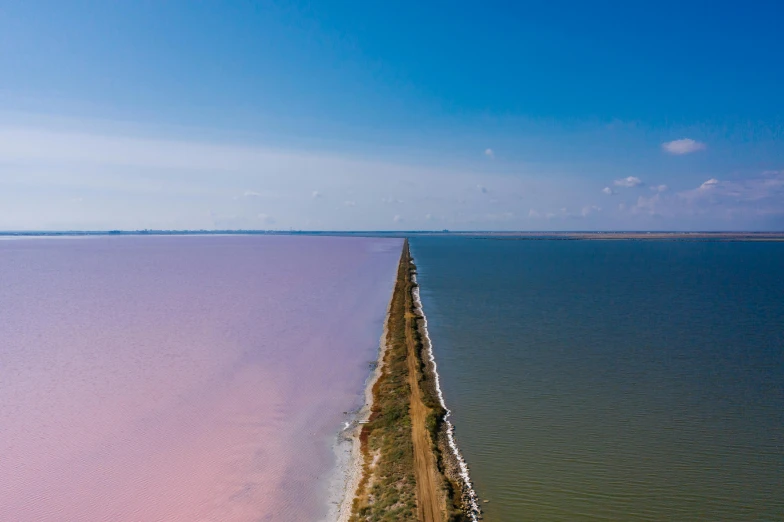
x: 612, y: 380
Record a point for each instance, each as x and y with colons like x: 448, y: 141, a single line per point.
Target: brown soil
x: 403, y: 478
x: 425, y: 470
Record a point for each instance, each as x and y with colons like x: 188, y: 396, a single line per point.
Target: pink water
x: 182, y: 378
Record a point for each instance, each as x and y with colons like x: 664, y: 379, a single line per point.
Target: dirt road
x: 388, y: 483
x: 425, y: 470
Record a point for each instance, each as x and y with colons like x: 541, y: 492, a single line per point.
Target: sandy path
x: 424, y: 466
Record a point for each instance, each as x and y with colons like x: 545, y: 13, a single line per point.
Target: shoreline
x: 347, y: 472
x: 409, y: 466
x: 350, y: 472
x: 455, y: 458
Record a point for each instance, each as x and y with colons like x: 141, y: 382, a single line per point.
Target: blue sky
x: 337, y: 115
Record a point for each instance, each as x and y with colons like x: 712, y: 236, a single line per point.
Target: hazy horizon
x: 240, y: 231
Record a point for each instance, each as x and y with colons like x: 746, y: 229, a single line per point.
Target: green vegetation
x: 387, y: 491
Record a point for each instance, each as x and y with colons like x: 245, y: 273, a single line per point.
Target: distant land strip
x: 640, y: 236
x: 406, y: 464
x: 504, y: 235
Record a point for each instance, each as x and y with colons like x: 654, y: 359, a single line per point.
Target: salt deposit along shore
x: 410, y: 464
x: 348, y: 451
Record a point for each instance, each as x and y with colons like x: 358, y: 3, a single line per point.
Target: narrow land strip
x: 403, y: 470
x: 425, y: 469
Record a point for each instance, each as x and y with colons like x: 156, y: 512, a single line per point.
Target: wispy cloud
x: 648, y: 205
x: 201, y: 184
x: 659, y: 188
x: 194, y: 184
x: 499, y: 216
x: 565, y: 214
x: 682, y: 146
x: 766, y: 189
x: 628, y: 182
x: 489, y: 153
x: 744, y: 199
x: 266, y: 219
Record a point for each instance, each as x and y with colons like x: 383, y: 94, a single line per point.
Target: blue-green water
x: 612, y: 380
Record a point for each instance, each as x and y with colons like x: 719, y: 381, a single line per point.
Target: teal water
x: 612, y: 380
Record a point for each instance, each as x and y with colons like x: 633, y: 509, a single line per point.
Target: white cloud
x: 659, y: 188
x: 708, y: 184
x: 682, y: 146
x: 397, y: 218
x: 746, y: 199
x: 756, y: 192
x: 628, y: 182
x: 608, y: 191
x: 489, y: 153
x: 142, y: 182
x: 350, y: 203
x: 428, y: 216
x: 588, y: 210
x: 252, y: 194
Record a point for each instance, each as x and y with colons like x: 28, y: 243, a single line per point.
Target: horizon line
x: 150, y: 231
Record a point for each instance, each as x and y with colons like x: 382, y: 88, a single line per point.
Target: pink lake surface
x: 182, y: 378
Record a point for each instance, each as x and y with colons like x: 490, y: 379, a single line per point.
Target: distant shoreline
x: 495, y: 235
x: 643, y: 236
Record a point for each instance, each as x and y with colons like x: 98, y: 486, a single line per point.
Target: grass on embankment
x: 387, y: 491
